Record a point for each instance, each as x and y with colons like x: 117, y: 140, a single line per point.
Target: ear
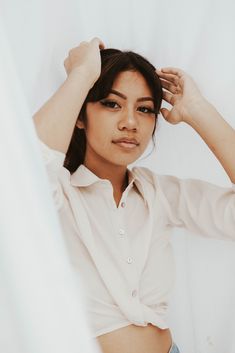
x: 80, y: 124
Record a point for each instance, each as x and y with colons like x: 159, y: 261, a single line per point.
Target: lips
x: 127, y: 143
x: 127, y: 140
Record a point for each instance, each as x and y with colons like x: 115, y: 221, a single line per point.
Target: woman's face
x: 120, y: 126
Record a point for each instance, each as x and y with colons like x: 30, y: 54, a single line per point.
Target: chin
x: 123, y: 162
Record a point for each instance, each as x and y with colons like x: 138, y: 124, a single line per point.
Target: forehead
x: 132, y: 82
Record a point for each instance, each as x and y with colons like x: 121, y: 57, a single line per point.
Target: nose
x: 128, y: 121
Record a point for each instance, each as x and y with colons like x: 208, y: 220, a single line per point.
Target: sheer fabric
x: 40, y: 297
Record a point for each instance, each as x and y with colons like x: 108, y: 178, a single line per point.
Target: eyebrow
x: 142, y: 99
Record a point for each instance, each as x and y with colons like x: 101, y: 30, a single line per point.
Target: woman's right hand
x: 86, y: 58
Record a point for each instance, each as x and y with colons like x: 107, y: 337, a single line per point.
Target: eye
x: 110, y: 104
x: 146, y: 110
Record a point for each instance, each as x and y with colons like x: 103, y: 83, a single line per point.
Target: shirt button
x: 123, y: 204
x: 121, y: 231
x: 134, y: 293
x: 129, y: 260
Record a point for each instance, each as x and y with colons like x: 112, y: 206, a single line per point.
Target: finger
x: 101, y: 45
x: 82, y: 43
x: 168, y: 77
x: 99, y: 42
x: 165, y: 112
x: 169, y: 86
x: 168, y: 97
x: 172, y: 70
x: 66, y: 62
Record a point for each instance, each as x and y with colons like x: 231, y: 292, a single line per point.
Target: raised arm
x: 56, y: 119
x: 190, y: 106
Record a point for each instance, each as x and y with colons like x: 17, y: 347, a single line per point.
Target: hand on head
x: 86, y: 58
x: 181, y: 92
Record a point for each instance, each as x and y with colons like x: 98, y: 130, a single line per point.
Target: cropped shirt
x: 124, y: 254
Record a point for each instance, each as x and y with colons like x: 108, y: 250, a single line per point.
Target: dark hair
x: 113, y: 61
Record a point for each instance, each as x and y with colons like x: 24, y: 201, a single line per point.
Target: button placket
x: 121, y: 232
x: 134, y: 293
x: 129, y: 260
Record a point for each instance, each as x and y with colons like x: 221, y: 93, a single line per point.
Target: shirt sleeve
x: 199, y: 206
x: 53, y: 161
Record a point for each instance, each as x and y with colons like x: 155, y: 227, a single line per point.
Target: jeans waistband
x: 174, y: 348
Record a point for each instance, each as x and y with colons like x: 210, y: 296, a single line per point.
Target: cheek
x: 99, y: 133
x: 149, y: 128
x: 97, y: 121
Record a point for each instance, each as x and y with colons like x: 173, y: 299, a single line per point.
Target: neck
x: 117, y: 175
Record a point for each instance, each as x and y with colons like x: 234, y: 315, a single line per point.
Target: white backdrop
x: 197, y: 36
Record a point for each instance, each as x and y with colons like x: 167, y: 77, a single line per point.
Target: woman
x: 116, y: 221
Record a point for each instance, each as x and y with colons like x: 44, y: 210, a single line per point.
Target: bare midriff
x: 136, y: 339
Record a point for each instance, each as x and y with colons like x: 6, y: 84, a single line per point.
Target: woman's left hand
x: 181, y: 92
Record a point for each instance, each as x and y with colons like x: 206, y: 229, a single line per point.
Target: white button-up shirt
x: 123, y: 253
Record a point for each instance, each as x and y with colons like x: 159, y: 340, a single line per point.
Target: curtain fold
x: 41, y: 300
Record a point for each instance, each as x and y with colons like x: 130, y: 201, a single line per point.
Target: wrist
x: 82, y: 73
x: 196, y: 110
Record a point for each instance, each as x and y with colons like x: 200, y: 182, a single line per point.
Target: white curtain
x: 41, y: 299
x: 197, y: 36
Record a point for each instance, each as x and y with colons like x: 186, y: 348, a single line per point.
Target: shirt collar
x: 84, y: 177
